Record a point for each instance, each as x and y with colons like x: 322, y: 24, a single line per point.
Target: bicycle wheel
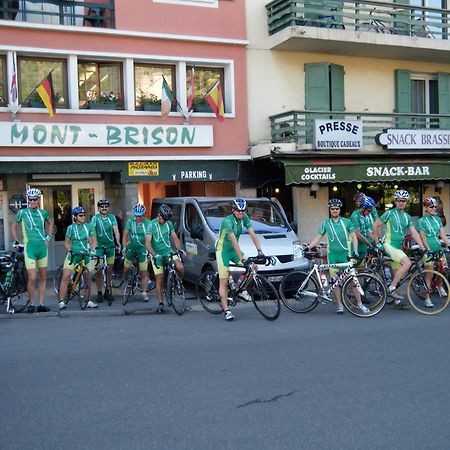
x: 417, y: 291
x: 80, y: 285
x: 374, y: 297
x: 19, y: 302
x: 57, y: 279
x: 265, y: 297
x: 129, y: 285
x: 207, y: 289
x: 117, y: 273
x: 175, y: 291
x: 299, y: 300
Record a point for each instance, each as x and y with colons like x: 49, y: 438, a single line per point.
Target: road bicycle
x: 13, y: 280
x: 262, y: 292
x: 117, y: 273
x: 79, y: 280
x: 101, y: 269
x: 132, y: 284
x: 376, y: 25
x: 363, y: 293
x: 326, y: 21
x: 416, y: 289
x: 174, y: 290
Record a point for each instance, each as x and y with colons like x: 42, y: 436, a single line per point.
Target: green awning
x: 308, y: 171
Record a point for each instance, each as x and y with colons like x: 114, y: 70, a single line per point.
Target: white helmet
x: 401, y: 193
x: 33, y: 192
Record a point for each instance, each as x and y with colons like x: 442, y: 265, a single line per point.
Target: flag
x: 45, y: 91
x: 167, y: 98
x: 13, y: 92
x: 215, y: 101
x: 191, y: 91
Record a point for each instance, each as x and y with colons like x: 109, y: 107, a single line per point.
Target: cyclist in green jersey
x: 37, y: 228
x: 432, y: 233
x: 398, y: 223
x: 133, y: 243
x: 108, y: 239
x: 362, y: 221
x: 340, y: 232
x: 161, y: 230
x: 227, y: 248
x: 80, y: 242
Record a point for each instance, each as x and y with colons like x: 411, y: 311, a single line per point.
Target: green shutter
x: 337, y: 88
x: 444, y: 98
x: 317, y: 93
x: 403, y: 97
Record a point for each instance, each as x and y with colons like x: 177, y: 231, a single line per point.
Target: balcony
x: 369, y: 29
x: 297, y: 127
x: 60, y: 12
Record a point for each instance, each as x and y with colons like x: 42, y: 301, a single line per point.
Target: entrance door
x: 59, y: 199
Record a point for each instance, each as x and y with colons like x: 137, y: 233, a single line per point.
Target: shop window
x: 100, y: 83
x: 148, y: 79
x: 422, y: 94
x: 32, y: 71
x: 3, y: 82
x: 204, y: 80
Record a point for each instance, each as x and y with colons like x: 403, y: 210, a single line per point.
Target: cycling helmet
x: 103, y: 202
x: 78, y: 210
x: 139, y: 209
x: 334, y: 202
x: 367, y: 202
x: 33, y: 192
x: 401, y: 193
x: 239, y: 204
x: 165, y: 212
x: 430, y: 201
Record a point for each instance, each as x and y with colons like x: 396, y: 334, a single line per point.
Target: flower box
x: 37, y: 104
x: 202, y: 107
x: 95, y: 105
x: 147, y: 106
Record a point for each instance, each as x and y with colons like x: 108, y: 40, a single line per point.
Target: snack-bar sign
x: 420, y: 139
x: 338, y: 134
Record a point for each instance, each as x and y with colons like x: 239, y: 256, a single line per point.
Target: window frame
x: 4, y: 77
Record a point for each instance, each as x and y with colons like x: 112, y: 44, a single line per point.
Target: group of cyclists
x: 352, y: 237
x: 145, y: 240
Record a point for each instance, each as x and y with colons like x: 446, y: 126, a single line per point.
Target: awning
x: 307, y: 171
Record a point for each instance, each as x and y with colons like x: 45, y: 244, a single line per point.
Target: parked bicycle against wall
x: 13, y: 280
x: 377, y: 25
x: 363, y: 293
x: 326, y: 21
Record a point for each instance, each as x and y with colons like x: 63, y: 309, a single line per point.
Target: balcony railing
x: 370, y: 16
x: 298, y: 126
x: 61, y: 12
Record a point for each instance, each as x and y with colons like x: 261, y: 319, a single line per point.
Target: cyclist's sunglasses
x: 432, y: 206
x: 81, y: 215
x: 103, y: 207
x: 335, y: 208
x: 401, y: 200
x: 33, y: 199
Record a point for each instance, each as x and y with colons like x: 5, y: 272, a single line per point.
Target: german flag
x: 45, y: 91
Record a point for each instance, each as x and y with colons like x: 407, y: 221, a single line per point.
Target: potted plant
x: 104, y: 101
x: 36, y: 101
x: 149, y: 102
x: 201, y: 105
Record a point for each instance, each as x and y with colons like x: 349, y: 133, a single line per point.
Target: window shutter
x: 403, y: 97
x: 317, y: 87
x: 444, y: 98
x: 337, y: 87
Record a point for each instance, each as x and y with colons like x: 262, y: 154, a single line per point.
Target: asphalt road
x: 147, y: 381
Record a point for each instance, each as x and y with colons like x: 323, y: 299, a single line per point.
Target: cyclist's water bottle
x: 233, y: 285
x: 324, y: 279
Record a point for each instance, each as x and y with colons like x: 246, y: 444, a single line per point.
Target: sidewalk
x: 135, y: 305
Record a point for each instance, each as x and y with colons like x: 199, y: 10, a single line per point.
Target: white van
x: 197, y: 222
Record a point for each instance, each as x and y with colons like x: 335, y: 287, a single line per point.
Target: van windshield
x: 264, y: 215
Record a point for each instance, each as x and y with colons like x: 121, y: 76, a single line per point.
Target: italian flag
x: 167, y: 98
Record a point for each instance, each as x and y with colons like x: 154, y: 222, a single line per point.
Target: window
x: 32, y: 71
x: 3, y: 82
x: 148, y: 80
x: 204, y: 80
x: 99, y: 79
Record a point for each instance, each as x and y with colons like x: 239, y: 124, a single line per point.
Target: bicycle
x: 174, y: 290
x: 101, y: 269
x: 376, y: 25
x: 79, y: 280
x: 325, y: 21
x: 133, y: 281
x: 417, y: 289
x: 262, y: 292
x: 363, y: 294
x: 13, y: 280
x: 117, y: 273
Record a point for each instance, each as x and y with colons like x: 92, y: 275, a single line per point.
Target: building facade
x: 108, y: 61
x: 356, y: 98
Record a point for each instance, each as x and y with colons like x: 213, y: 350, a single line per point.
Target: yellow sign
x: 150, y: 169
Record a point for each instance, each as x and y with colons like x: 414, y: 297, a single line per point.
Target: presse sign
x: 337, y: 134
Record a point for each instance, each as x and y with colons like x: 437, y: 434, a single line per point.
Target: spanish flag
x: 45, y: 91
x: 215, y: 101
